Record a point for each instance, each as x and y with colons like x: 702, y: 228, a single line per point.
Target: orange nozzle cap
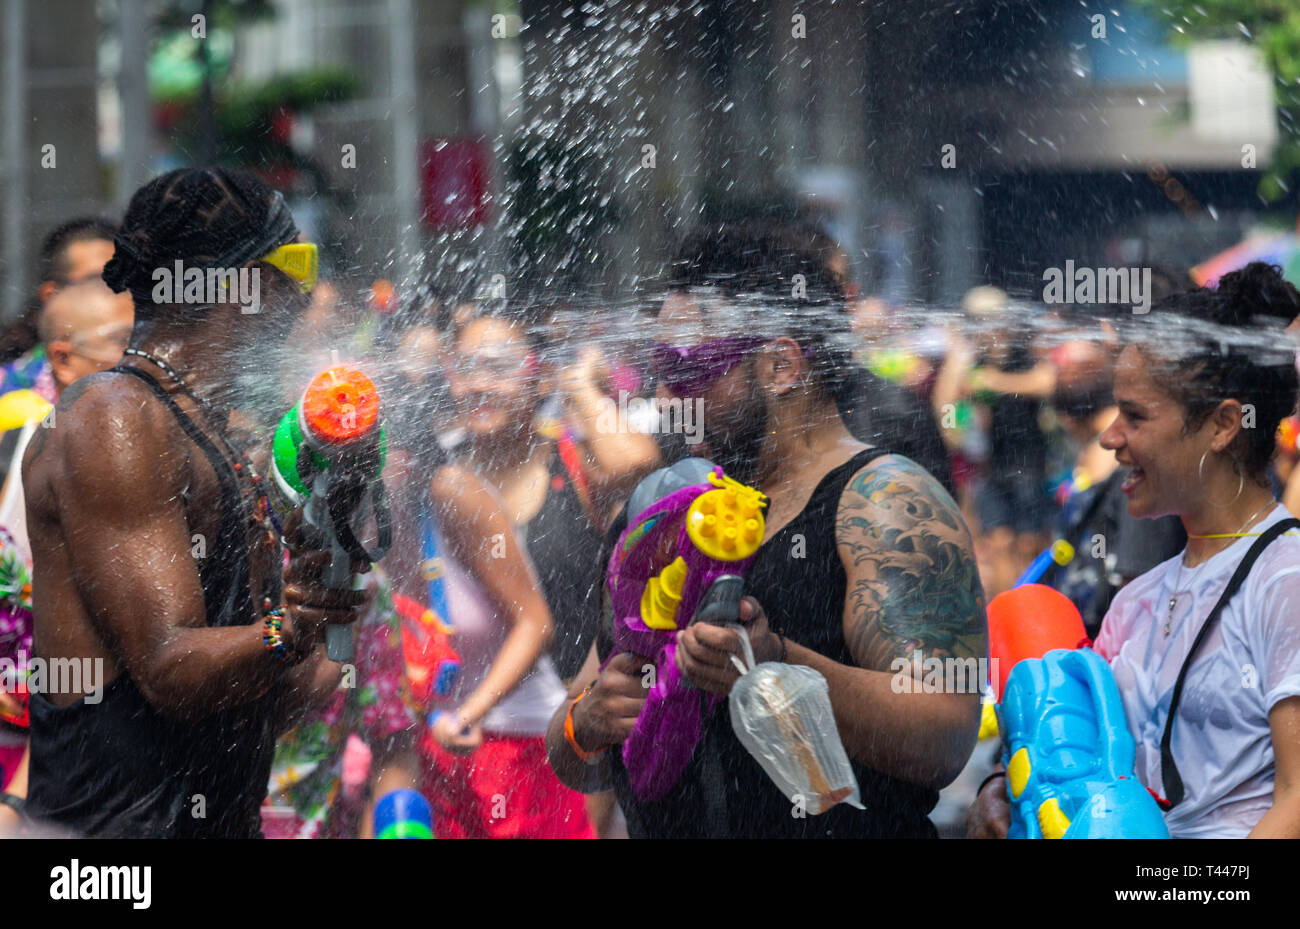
x: 341, y: 405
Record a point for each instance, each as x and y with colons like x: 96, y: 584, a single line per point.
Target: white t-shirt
x: 1249, y: 661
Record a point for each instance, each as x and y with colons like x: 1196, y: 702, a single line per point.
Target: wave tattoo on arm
x: 912, y: 580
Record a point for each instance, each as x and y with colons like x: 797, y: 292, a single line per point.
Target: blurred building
x: 942, y: 144
x: 49, y: 148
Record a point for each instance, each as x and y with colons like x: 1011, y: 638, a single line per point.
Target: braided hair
x: 202, y: 217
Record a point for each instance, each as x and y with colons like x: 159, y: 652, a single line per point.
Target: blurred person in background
x: 73, y: 253
x: 1287, y: 463
x: 876, y: 409
x: 84, y: 328
x: 487, y: 743
x: 1001, y: 373
x: 557, y: 490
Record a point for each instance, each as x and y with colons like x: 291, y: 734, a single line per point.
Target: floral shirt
x: 307, y: 772
x: 32, y: 371
x: 15, y: 617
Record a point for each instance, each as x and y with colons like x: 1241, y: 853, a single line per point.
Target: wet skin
x: 116, y: 494
x: 910, y: 578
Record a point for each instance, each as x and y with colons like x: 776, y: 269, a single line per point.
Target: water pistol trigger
x: 720, y: 604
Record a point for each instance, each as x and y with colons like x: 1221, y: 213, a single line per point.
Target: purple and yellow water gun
x: 681, y: 559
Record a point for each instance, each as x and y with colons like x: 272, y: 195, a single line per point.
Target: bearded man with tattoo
x: 866, y: 560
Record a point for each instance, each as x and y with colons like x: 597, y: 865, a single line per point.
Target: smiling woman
x: 1209, y: 373
x: 1208, y: 667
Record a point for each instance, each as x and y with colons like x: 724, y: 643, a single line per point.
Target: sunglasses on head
x: 299, y: 260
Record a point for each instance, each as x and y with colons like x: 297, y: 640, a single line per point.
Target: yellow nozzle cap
x: 726, y: 524
x: 988, y: 721
x: 1062, y: 552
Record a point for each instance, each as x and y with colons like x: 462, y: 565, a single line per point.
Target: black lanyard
x: 1173, y: 782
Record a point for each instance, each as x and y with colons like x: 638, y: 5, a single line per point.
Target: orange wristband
x: 568, y: 729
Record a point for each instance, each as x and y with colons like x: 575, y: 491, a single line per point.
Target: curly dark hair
x: 1206, y: 346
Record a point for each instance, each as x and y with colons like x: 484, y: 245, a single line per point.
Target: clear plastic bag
x: 782, y: 715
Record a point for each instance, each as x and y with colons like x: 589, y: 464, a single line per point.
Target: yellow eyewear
x: 299, y: 260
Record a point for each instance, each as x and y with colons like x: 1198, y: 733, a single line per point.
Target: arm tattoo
x: 913, y: 584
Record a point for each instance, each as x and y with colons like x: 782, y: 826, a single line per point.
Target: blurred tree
x: 1273, y: 26
x: 209, y: 118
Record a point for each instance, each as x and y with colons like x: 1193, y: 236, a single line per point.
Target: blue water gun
x: 440, y: 650
x: 428, y: 635
x: 1069, y: 754
x: 1059, y: 552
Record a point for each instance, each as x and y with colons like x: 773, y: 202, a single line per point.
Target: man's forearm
x: 617, y: 458
x: 1040, y: 381
x: 925, y: 738
x: 307, y: 685
x: 194, y: 672
x: 572, y: 770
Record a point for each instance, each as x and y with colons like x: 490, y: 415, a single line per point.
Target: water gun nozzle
x: 341, y: 405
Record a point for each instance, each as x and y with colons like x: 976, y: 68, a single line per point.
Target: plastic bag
x: 782, y: 714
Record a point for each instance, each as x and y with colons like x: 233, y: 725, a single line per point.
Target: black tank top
x: 564, y: 548
x: 724, y: 792
x: 120, y: 768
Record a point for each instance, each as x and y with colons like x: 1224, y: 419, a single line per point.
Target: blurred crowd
x: 505, y: 478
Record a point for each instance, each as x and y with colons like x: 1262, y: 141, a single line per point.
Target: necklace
x: 246, y: 476
x: 208, y: 409
x: 1240, y: 532
x: 1173, y: 594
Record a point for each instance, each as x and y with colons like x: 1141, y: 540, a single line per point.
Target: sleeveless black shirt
x: 724, y: 792
x: 564, y: 548
x: 120, y: 768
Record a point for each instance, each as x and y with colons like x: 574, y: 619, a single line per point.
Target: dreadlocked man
x: 155, y: 557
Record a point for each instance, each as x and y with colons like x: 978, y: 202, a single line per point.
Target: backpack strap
x: 1173, y: 782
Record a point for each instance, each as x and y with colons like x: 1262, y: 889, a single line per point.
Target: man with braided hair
x: 154, y: 554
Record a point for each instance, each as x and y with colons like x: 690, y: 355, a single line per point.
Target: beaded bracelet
x: 271, y: 637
